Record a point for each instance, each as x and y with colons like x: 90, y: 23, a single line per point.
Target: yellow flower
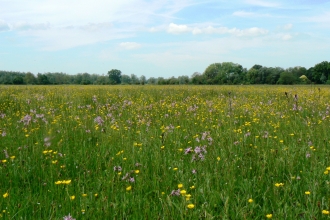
x: 162, y: 147
x: 4, y: 161
x: 12, y: 157
x: 328, y: 168
x: 192, y: 187
x: 137, y: 171
x: 84, y: 194
x: 269, y: 215
x: 180, y: 185
x: 72, y: 197
x: 326, y: 212
x: 5, y: 195
x: 279, y: 184
x: 191, y: 206
x: 218, y: 158
x: 129, y: 188
x: 96, y: 195
x: 175, y: 168
x: 66, y: 182
x: 183, y: 192
x: 58, y: 182
x: 250, y: 200
x: 307, y: 192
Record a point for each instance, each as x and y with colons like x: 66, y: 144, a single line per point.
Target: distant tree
x: 152, y: 80
x: 304, y: 80
x: 86, y: 79
x: 161, y: 81
x: 287, y: 78
x: 126, y: 79
x: 321, y: 72
x: 183, y: 79
x: 143, y: 80
x: 135, y: 79
x: 18, y: 80
x: 102, y: 80
x: 42, y: 79
x: 29, y: 78
x: 114, y: 76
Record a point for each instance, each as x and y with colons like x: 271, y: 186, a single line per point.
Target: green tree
x: 18, y: 80
x: 126, y: 79
x: 321, y: 72
x: 30, y: 78
x: 287, y: 78
x: 114, y: 76
x: 135, y: 79
x: 143, y: 80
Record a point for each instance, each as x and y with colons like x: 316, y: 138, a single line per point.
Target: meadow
x: 164, y: 152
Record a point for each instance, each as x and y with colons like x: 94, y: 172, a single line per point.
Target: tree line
x: 225, y: 73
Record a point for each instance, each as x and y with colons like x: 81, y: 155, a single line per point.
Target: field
x: 164, y: 152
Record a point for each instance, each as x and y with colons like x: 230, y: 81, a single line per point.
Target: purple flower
x: 187, y: 150
x: 308, y: 155
x: 193, y: 171
x: 175, y: 193
x: 201, y: 156
x: 99, y: 120
x: 3, y: 134
x: 131, y: 179
x: 137, y: 164
x: 197, y: 150
x: 117, y: 168
x: 6, y: 153
x: 26, y: 120
x: 39, y: 115
x: 68, y: 217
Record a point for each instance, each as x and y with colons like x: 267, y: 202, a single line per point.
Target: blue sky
x: 161, y: 38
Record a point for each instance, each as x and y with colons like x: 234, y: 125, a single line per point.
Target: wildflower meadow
x: 165, y: 152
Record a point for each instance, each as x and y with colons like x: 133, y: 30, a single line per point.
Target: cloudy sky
x: 161, y: 37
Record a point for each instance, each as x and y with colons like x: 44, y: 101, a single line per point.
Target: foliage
x: 114, y: 76
x: 226, y: 73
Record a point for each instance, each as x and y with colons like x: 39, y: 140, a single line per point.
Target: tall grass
x: 153, y: 152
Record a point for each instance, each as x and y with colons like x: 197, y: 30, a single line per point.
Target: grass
x: 172, y: 152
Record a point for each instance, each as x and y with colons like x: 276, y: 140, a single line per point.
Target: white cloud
x: 243, y: 14
x: 262, y: 3
x: 130, y: 45
x: 4, y: 26
x: 197, y: 31
x: 286, y: 37
x: 288, y: 27
x: 57, y: 25
x: 322, y: 19
x: 178, y: 29
x: 249, y: 14
x: 249, y: 32
x: 23, y: 26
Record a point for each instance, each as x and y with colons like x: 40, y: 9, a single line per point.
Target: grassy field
x: 172, y: 152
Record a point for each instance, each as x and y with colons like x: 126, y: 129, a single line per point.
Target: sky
x: 161, y: 38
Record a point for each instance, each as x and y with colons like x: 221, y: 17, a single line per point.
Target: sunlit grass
x: 172, y: 152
